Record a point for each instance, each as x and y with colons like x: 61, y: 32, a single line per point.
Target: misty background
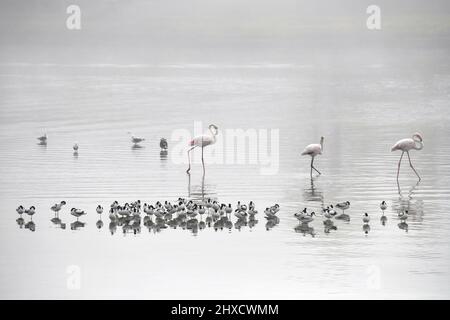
x: 219, y: 31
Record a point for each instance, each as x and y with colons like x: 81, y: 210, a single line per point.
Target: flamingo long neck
x: 213, y: 134
x: 321, y: 144
x: 418, y: 145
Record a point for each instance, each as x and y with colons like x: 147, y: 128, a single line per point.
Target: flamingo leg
x: 203, y: 162
x: 189, y: 160
x: 312, y: 166
x: 412, y: 167
x: 399, y: 162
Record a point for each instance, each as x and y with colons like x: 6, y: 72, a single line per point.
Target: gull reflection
x: 136, y: 147
x: 163, y: 155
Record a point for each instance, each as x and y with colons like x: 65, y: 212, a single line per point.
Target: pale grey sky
x: 153, y: 28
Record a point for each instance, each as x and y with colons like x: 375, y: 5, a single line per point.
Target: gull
x: 43, y: 138
x: 135, y: 139
x: 163, y: 144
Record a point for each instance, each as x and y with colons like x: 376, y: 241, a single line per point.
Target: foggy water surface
x: 361, y: 112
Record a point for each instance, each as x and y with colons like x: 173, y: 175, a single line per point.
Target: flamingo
x: 203, y: 141
x: 405, y: 145
x: 313, y: 150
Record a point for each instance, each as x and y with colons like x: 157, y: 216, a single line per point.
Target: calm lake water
x: 361, y: 108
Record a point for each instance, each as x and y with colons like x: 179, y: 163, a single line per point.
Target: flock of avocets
x: 195, y: 216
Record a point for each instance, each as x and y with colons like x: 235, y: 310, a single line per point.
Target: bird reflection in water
x: 366, y: 228
x: 99, y: 224
x: 163, y: 155
x: 57, y: 222
x: 272, y: 222
x: 30, y: 225
x: 328, y: 226
x: 313, y: 194
x: 403, y: 226
x: 112, y: 227
x: 241, y: 222
x: 252, y: 222
x: 20, y: 222
x: 305, y: 229
x: 199, y: 192
x: 136, y: 145
x: 77, y: 225
x: 409, y: 207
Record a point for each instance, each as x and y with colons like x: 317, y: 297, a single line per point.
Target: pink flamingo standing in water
x: 202, y: 141
x: 405, y: 145
x: 313, y: 150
